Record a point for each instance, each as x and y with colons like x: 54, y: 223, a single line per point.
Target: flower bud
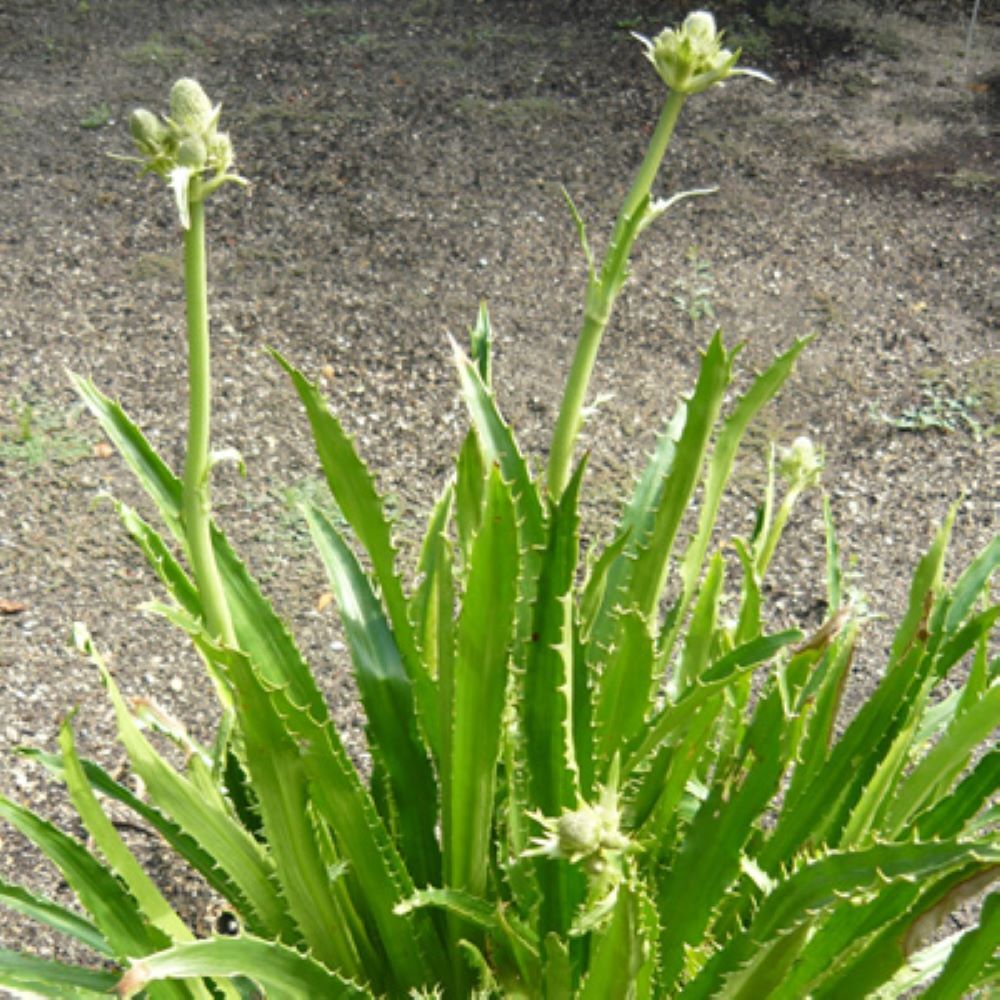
x: 700, y: 28
x: 190, y: 109
x: 147, y: 130
x: 191, y: 153
x: 220, y: 151
x: 579, y: 833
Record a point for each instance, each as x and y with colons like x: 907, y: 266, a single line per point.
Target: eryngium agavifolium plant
x: 580, y: 786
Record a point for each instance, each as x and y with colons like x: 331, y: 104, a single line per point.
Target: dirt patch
x: 406, y: 160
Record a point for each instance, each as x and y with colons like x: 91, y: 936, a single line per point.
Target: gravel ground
x: 406, y: 160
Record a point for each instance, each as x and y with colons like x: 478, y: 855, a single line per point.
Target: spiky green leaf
x: 470, y: 488
x: 860, y: 943
x: 944, y: 761
x: 154, y: 907
x: 709, y: 860
x: 279, y: 970
x: 970, y: 955
x: 618, y: 953
x: 61, y: 920
x: 27, y: 975
x: 185, y: 846
x: 948, y: 816
x: 548, y: 673
x: 499, y: 445
x: 624, y: 689
x: 484, y: 637
x: 924, y: 588
x: 387, y: 694
x: 720, y: 675
x: 649, y: 576
x: 340, y: 799
x: 112, y: 909
x: 610, y: 577
x: 763, y: 389
x: 353, y: 488
x: 202, y: 813
x: 820, y: 883
x: 701, y: 629
x: 260, y: 632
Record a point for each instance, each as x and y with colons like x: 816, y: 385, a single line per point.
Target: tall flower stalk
x: 198, y: 462
x: 195, y: 158
x: 689, y: 59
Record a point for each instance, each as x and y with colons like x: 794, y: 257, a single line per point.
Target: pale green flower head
x: 191, y: 112
x: 590, y: 834
x: 802, y: 463
x: 186, y: 146
x: 691, y: 58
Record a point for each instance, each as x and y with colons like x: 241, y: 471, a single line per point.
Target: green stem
x: 197, y: 497
x: 601, y: 294
x: 775, y: 530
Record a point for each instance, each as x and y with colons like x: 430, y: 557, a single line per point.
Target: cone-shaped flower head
x: 185, y: 145
x: 691, y: 58
x: 190, y: 109
x: 801, y: 464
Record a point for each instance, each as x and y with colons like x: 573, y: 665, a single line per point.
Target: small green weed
x: 421, y: 11
x: 787, y: 16
x: 693, y: 295
x: 39, y: 433
x: 10, y: 118
x: 97, y: 117
x: 826, y: 311
x: 946, y: 405
x: 156, y: 52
